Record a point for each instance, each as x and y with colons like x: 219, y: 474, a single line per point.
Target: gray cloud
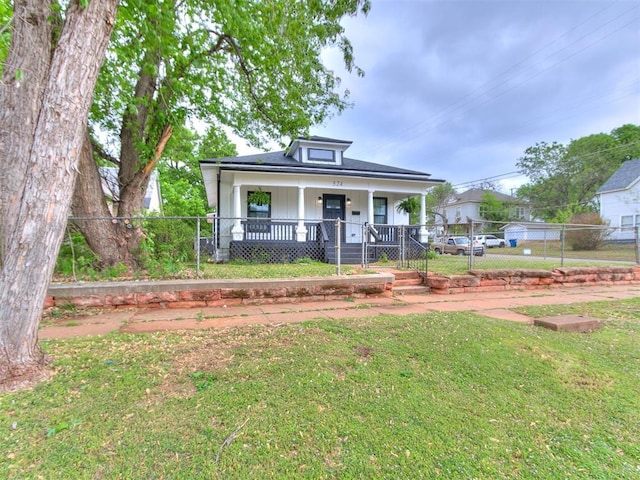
x: 460, y: 89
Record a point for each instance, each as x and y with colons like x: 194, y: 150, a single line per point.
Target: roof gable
x: 623, y: 178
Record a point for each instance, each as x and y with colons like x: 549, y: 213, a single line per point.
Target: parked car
x: 490, y: 241
x: 456, y: 246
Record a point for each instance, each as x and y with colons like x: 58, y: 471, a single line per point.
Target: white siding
x: 615, y: 205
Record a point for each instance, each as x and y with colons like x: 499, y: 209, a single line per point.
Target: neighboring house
x: 619, y: 200
x: 532, y: 231
x: 467, y: 205
x: 111, y: 188
x: 304, y: 189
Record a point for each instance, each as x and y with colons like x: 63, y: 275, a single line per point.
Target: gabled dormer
x: 318, y: 150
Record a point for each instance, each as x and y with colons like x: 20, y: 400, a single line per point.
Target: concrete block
x: 569, y: 323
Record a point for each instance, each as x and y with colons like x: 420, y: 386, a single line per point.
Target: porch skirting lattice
x: 274, y: 251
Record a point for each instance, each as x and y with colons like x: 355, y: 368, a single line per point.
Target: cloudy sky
x: 460, y: 89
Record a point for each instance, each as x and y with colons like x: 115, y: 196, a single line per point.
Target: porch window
x: 321, y: 155
x: 258, y: 215
x: 380, y: 210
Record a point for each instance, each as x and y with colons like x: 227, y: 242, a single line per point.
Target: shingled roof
x: 280, y: 162
x: 623, y: 178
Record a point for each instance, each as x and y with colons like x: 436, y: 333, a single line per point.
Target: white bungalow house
x: 286, y: 203
x: 619, y: 200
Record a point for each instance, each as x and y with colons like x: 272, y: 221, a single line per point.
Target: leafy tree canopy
x: 181, y: 183
x: 493, y: 209
x: 563, y: 179
x: 252, y: 66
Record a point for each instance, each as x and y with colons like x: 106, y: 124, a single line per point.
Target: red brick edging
x: 216, y: 293
x: 499, y: 280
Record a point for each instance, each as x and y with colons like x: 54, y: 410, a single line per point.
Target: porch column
x: 370, y: 216
x: 301, y: 229
x: 237, y: 232
x: 423, y: 234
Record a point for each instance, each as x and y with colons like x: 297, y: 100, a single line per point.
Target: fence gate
x: 397, y: 243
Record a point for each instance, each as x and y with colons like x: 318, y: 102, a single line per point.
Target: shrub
x: 589, y: 237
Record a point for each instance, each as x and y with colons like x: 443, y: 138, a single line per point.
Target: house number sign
x: 337, y: 183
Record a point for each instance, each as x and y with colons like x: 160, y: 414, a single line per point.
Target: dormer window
x: 321, y: 155
x: 318, y: 150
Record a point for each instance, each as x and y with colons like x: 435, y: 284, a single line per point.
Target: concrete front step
x: 407, y: 282
x: 410, y: 290
x: 406, y: 274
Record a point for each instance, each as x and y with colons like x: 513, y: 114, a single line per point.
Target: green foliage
x: 202, y: 380
x: 181, y: 182
x: 6, y: 15
x: 255, y: 66
x: 410, y: 206
x: 258, y: 197
x: 564, y: 215
x: 75, y: 257
x: 494, y: 210
x: 169, y: 244
x: 586, y: 238
x: 561, y: 176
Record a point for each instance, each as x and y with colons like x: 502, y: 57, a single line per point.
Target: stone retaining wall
x: 214, y: 293
x: 497, y: 280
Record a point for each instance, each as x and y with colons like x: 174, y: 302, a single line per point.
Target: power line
x: 422, y: 126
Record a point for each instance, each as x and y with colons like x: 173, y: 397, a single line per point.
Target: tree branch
x: 245, y: 70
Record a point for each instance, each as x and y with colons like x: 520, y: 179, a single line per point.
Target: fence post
x: 338, y: 241
x: 562, y: 232
x: 471, y: 245
x: 638, y: 245
x: 401, y: 246
x: 198, y: 248
x: 364, y: 246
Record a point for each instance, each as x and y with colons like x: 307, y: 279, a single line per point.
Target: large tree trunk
x: 118, y: 241
x: 35, y: 217
x: 106, y: 237
x: 25, y: 71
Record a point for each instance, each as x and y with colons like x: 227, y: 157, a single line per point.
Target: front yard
x: 446, y: 395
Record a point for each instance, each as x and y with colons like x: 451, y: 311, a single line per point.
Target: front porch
x: 276, y: 241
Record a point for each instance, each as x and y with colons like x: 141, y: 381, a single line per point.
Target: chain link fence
x: 172, y: 244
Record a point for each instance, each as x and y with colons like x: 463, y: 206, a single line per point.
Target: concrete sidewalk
x: 491, y: 304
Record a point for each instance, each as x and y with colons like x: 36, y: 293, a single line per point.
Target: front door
x: 333, y: 208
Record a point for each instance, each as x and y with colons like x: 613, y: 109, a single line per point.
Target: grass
x: 624, y: 252
x: 443, y: 395
x: 274, y: 270
x: 228, y: 271
x: 541, y: 257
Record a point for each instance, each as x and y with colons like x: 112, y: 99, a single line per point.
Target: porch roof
x: 281, y: 163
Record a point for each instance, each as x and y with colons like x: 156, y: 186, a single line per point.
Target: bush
x: 589, y: 237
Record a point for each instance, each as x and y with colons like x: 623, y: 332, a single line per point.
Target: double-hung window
x: 380, y: 211
x: 629, y: 221
x: 258, y: 215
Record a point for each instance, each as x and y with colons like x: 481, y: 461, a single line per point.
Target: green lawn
x: 540, y: 255
x: 440, y: 395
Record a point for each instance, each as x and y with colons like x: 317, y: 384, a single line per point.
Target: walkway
x: 491, y: 304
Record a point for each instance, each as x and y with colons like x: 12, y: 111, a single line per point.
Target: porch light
x: 348, y: 202
x: 319, y: 200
